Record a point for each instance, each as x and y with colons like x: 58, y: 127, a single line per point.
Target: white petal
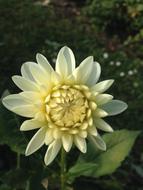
x: 40, y: 75
x: 83, y: 133
x: 100, y: 113
x: 102, y: 86
x: 14, y: 100
x: 101, y: 99
x: 40, y: 116
x: 115, y: 107
x: 25, y: 84
x: 52, y: 151
x: 57, y: 133
x: 25, y: 71
x: 20, y: 105
x: 49, y: 136
x: 94, y: 74
x: 55, y: 78
x: 98, y: 142
x: 43, y: 62
x: 26, y: 110
x: 67, y: 141
x: 92, y: 130
x: 33, y: 98
x: 36, y: 142
x: 101, y: 124
x: 65, y: 63
x: 82, y: 73
x: 80, y: 143
x: 31, y: 124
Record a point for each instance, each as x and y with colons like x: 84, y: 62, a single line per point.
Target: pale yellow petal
x: 80, y: 143
x: 36, y: 142
x: 102, y: 86
x: 98, y: 142
x: 39, y: 74
x: 25, y: 71
x: 52, y: 151
x: 101, y: 124
x: 83, y: 71
x: 31, y: 124
x: 92, y: 131
x: 101, y: 99
x: 49, y: 136
x: 67, y: 141
x: 100, y: 113
x: 20, y: 105
x: 43, y: 62
x: 65, y: 63
x: 25, y: 84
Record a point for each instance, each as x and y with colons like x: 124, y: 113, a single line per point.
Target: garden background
x: 111, y: 31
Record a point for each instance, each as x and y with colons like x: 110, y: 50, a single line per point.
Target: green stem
x: 63, y: 168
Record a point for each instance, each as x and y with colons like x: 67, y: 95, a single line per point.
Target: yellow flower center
x: 70, y: 108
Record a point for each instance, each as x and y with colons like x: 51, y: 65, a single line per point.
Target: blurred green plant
x: 109, y: 30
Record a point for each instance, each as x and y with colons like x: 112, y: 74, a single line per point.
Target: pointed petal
x: 80, y: 143
x: 98, y: 142
x: 25, y: 84
x: 101, y: 99
x: 67, y: 141
x: 26, y: 111
x: 82, y: 73
x: 83, y: 133
x: 100, y: 113
x: 40, y: 75
x: 92, y: 131
x: 14, y: 100
x: 18, y: 104
x: 57, y: 133
x: 94, y: 74
x: 115, y: 107
x: 52, y: 151
x: 101, y: 124
x: 36, y: 142
x: 32, y: 96
x: 102, y: 86
x: 31, y: 124
x: 49, y: 136
x: 55, y: 78
x: 25, y: 71
x: 43, y: 62
x: 65, y: 63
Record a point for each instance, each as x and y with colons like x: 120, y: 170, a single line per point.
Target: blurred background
x: 111, y: 31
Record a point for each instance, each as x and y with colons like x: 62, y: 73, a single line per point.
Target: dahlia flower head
x: 66, y: 105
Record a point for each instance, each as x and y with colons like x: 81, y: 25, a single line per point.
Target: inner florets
x: 69, y: 107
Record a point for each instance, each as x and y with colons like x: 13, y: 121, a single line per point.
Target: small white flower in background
x: 122, y: 74
x: 135, y: 71
x: 136, y: 84
x: 67, y: 105
x: 118, y: 63
x: 105, y: 55
x: 130, y: 72
x: 54, y: 60
x: 111, y: 63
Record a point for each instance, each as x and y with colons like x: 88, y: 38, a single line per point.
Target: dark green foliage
x: 94, y: 27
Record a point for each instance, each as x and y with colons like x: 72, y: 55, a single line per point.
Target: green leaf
x: 78, y: 169
x: 119, y: 144
x: 9, y: 131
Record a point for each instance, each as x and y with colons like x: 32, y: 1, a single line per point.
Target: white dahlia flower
x: 67, y: 105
